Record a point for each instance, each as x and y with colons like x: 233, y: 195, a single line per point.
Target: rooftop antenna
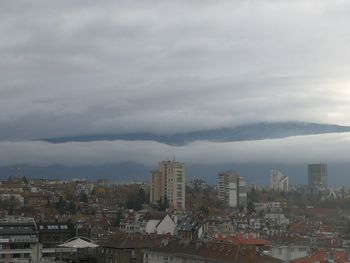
x: 17, y: 169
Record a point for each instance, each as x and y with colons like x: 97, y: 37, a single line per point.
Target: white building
x: 15, y: 197
x: 278, y: 218
x: 161, y: 226
x: 289, y: 252
x: 278, y: 181
x: 268, y: 206
x: 232, y: 189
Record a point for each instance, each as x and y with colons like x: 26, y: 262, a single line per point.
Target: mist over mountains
x: 258, y: 174
x: 255, y: 172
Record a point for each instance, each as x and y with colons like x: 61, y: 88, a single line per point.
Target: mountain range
x: 256, y: 131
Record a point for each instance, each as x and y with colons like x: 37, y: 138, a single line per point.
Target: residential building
x: 269, y: 206
x: 51, y: 235
x: 148, y: 223
x: 232, y: 189
x: 219, y: 226
x: 289, y: 252
x: 192, y: 228
x: 14, y: 198
x: 317, y: 175
x: 18, y: 240
x: 324, y: 257
x: 201, y: 251
x: 156, y: 187
x: 169, y: 183
x: 278, y: 181
x: 278, y: 218
x: 126, y: 248
x: 160, y: 223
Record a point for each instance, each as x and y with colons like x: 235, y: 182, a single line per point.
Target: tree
x: 250, y: 207
x: 24, y: 179
x: 141, y: 196
x: 118, y: 218
x: 135, y: 201
x: 83, y: 197
x: 252, y: 195
x: 163, y: 204
x: 204, y: 210
x: 63, y: 207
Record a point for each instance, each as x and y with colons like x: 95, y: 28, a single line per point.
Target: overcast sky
x: 72, y: 67
x: 81, y: 67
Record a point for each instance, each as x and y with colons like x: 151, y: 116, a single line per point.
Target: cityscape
x: 171, y: 217
x: 183, y: 131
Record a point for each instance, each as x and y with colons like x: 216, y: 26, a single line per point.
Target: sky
x: 85, y: 67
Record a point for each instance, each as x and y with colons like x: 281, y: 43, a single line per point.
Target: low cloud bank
x: 328, y: 148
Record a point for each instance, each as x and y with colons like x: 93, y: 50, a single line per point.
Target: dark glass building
x: 317, y: 175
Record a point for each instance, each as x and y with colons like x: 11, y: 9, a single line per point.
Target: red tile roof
x: 245, y: 239
x: 322, y: 257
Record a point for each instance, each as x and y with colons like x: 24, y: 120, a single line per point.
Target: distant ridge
x: 256, y: 131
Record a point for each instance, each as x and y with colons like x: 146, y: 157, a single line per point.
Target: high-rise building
x: 317, y: 175
x: 232, y: 189
x: 169, y: 183
x: 278, y: 181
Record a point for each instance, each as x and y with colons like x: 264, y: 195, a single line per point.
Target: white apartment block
x: 232, y: 189
x: 278, y: 181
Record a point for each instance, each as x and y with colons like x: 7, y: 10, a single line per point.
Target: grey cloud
x: 119, y: 66
x: 330, y: 148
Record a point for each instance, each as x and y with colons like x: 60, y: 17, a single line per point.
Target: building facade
x: 317, y: 175
x: 51, y: 235
x: 19, y: 240
x: 232, y: 189
x: 169, y: 183
x: 278, y: 181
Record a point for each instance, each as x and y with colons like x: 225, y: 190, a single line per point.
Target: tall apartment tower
x: 278, y: 181
x: 170, y: 182
x: 317, y: 175
x: 232, y: 189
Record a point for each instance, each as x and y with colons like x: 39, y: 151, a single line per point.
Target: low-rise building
x: 191, y: 229
x: 289, y: 252
x: 205, y: 251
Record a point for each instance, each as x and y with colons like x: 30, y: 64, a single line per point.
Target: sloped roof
x: 78, y: 243
x: 214, y: 252
x: 128, y: 241
x: 245, y: 239
x: 322, y: 257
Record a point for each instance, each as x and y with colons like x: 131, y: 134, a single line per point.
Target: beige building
x: 169, y: 181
